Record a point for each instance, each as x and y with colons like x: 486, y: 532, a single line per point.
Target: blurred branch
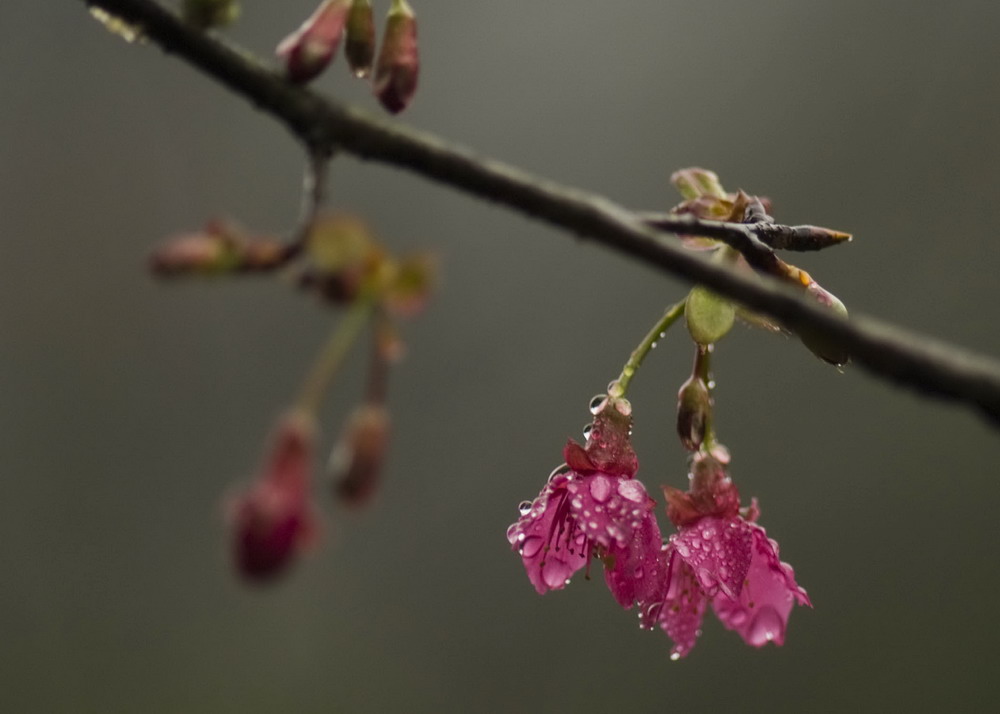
x: 927, y: 365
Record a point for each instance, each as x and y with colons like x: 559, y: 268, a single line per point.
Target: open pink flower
x: 719, y: 555
x: 272, y: 521
x: 592, y: 506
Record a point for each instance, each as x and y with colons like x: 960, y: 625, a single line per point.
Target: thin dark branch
x: 927, y: 365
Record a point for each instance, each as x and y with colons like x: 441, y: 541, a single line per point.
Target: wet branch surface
x: 927, y: 365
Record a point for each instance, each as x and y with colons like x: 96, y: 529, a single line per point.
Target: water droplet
x: 711, y: 384
x: 632, y: 490
x: 511, y: 531
x: 615, y: 388
x: 683, y: 551
x: 624, y: 407
x: 576, y: 503
x: 652, y: 345
x: 597, y: 403
x: 766, y: 627
x: 600, y: 488
x: 524, y: 507
x: 531, y: 546
x: 560, y: 470
x: 674, y: 656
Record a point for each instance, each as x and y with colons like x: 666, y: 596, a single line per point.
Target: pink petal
x: 760, y: 613
x: 633, y: 575
x: 551, y: 545
x: 683, y: 606
x: 718, y: 551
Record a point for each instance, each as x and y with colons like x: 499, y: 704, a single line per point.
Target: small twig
x: 927, y: 365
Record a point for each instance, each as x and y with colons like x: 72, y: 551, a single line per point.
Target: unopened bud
x: 821, y: 345
x: 709, y: 316
x: 695, y: 182
x: 218, y: 248
x: 409, y: 285
x: 210, y: 13
x: 359, y: 46
x: 694, y: 406
x: 272, y: 521
x: 307, y: 51
x: 398, y: 64
x: 356, y: 461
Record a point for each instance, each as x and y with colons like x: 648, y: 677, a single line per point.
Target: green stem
x: 332, y: 357
x: 620, y: 385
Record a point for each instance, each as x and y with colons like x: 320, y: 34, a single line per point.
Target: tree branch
x: 926, y: 365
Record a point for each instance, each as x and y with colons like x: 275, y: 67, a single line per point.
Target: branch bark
x: 927, y: 365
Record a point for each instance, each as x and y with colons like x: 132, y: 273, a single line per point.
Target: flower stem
x: 332, y: 357
x: 620, y: 385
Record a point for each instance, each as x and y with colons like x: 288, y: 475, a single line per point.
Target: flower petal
x: 549, y: 541
x: 760, y: 613
x: 683, y: 605
x: 718, y: 551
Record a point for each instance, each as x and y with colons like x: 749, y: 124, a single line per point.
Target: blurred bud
x: 272, y: 521
x: 218, y: 248
x: 359, y: 46
x: 821, y: 345
x: 409, y: 286
x: 210, y: 13
x: 694, y: 183
x: 344, y: 257
x: 356, y: 461
x: 709, y: 316
x: 694, y: 407
x: 398, y: 65
x: 307, y: 51
x: 339, y: 242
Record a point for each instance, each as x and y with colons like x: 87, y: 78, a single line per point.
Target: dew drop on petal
x: 674, y: 656
x: 632, y: 490
x: 512, y: 533
x: 524, y: 507
x: 531, y: 547
x: 597, y: 403
x: 600, y: 488
x: 560, y: 470
x: 586, y: 431
x: 766, y: 627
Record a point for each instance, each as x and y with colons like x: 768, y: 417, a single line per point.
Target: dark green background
x: 128, y: 408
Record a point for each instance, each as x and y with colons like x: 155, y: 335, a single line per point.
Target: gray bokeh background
x: 129, y: 407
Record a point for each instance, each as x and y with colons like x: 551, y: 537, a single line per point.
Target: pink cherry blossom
x: 592, y: 506
x: 719, y: 555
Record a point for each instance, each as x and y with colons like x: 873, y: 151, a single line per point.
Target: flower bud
x: 409, y: 284
x: 210, y: 13
x: 821, y: 345
x: 356, y: 461
x: 398, y: 65
x: 307, y: 51
x: 359, y: 46
x: 272, y: 521
x: 709, y: 316
x: 694, y: 406
x: 218, y: 248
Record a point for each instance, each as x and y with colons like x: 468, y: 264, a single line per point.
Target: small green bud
x: 359, y: 46
x: 694, y: 406
x: 821, y: 345
x: 709, y: 317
